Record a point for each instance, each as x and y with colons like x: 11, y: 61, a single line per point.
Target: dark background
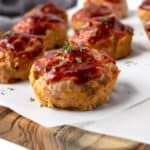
x: 18, y: 7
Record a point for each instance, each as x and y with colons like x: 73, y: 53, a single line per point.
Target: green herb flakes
x: 62, y: 62
x: 2, y: 93
x: 78, y: 60
x: 67, y: 48
x: 32, y: 99
x: 104, y: 20
x: 94, y: 30
x: 11, y: 89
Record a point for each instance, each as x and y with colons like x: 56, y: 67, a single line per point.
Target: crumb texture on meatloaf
x: 105, y: 34
x: 17, y: 53
x: 74, y: 78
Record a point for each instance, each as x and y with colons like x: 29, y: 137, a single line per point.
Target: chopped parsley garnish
x: 67, y: 48
x: 82, y: 48
x: 6, y: 91
x: 104, y: 20
x: 78, y: 60
x: 6, y: 33
x: 58, y: 54
x: 62, y: 62
x: 32, y: 99
x: 94, y: 30
x: 2, y: 93
x: 41, y: 105
x: 11, y: 89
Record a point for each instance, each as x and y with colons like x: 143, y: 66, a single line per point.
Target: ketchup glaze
x: 37, y: 24
x: 145, y: 5
x: 114, y: 1
x: 50, y: 8
x: 101, y: 28
x: 147, y: 26
x: 22, y: 45
x: 101, y: 1
x: 79, y: 65
x: 96, y: 11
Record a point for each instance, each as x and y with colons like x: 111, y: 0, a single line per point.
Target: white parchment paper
x: 132, y: 88
x: 133, y: 123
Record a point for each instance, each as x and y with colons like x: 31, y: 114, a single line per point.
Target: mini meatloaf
x: 144, y: 11
x: 75, y: 78
x: 105, y: 34
x: 85, y: 14
x: 17, y: 53
x: 147, y: 28
x: 51, y: 28
x: 119, y: 7
x: 48, y: 8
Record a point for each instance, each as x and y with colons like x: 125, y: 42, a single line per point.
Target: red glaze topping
x: 50, y: 8
x: 145, y: 5
x: 37, y: 24
x: 114, y: 1
x: 77, y: 64
x: 22, y: 45
x: 147, y: 26
x: 101, y: 28
x: 100, y: 2
x: 97, y: 11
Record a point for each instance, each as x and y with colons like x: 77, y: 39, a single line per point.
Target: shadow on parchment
x: 121, y: 95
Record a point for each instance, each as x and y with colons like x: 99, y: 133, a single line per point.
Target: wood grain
x: 20, y: 130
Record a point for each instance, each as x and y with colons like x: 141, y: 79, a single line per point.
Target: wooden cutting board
x: 20, y: 130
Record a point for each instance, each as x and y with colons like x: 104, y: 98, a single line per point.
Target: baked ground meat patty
x: 51, y: 28
x: 48, y: 9
x: 119, y: 7
x: 147, y: 28
x: 144, y: 11
x: 81, y: 17
x: 17, y: 53
x: 105, y: 34
x: 74, y: 78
